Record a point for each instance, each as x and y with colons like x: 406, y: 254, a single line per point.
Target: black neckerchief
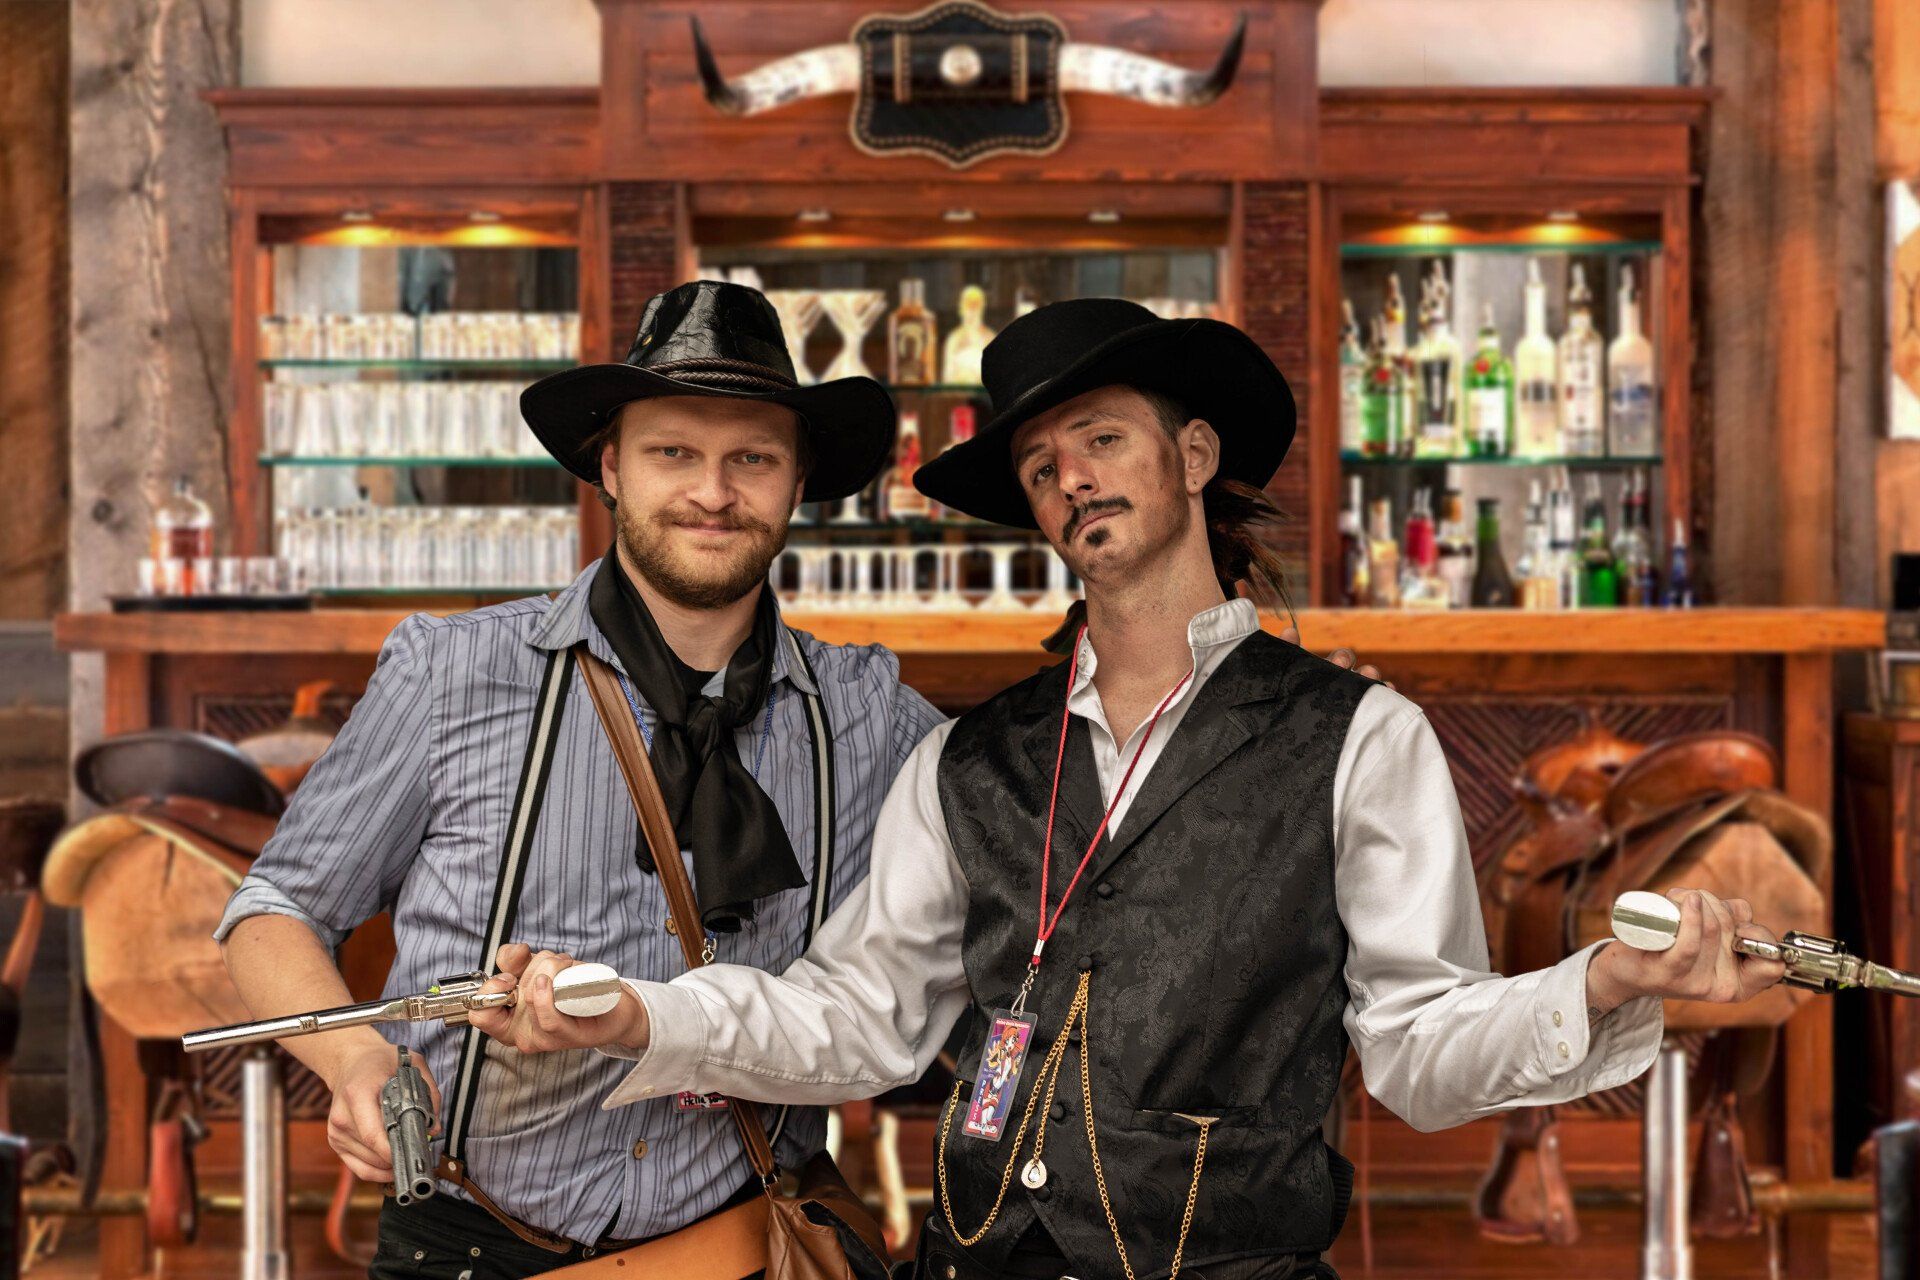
x: 740, y: 847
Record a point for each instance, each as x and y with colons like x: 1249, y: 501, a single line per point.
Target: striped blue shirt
x: 408, y: 812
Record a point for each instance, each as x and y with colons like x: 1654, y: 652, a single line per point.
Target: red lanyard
x: 1048, y: 924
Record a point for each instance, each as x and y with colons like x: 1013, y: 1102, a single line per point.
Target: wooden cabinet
x: 1877, y: 900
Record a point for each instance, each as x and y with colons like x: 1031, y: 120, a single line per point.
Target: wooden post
x: 1806, y: 756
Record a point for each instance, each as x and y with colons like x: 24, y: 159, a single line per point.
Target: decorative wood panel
x: 237, y: 716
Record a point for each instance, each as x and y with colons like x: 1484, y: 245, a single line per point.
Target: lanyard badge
x: 1010, y: 1034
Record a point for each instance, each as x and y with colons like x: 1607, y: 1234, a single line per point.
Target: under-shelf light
x: 1431, y: 215
x: 1564, y: 215
x: 1103, y: 215
x: 357, y: 215
x: 958, y: 215
x: 814, y: 215
x: 482, y: 215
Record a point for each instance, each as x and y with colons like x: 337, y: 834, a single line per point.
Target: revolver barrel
x: 406, y: 1108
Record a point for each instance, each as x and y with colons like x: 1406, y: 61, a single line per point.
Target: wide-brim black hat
x: 715, y: 338
x: 1048, y: 356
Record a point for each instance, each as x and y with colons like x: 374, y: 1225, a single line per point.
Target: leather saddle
x: 183, y: 816
x: 1605, y: 815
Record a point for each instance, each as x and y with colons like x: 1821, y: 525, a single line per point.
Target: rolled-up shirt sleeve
x: 1442, y: 1039
x: 865, y: 1009
x: 355, y: 824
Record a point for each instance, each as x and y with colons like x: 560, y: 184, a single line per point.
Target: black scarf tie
x: 740, y: 846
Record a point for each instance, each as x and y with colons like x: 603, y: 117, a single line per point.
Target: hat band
x: 721, y: 374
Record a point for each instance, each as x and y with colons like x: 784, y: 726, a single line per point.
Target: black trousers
x: 444, y: 1238
x: 940, y: 1259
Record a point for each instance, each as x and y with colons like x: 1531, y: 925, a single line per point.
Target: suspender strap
x: 820, y: 736
x: 513, y: 873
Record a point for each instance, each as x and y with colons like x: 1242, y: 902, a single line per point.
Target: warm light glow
x: 1564, y: 215
x: 814, y: 215
x: 485, y: 235
x: 1432, y: 215
x: 1103, y: 215
x: 958, y: 215
x: 483, y: 215
x: 356, y: 215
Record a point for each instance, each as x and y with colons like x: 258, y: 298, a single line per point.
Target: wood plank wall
x: 1896, y: 106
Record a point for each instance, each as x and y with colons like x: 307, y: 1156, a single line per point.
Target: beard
x: 698, y: 580
x: 1158, y: 523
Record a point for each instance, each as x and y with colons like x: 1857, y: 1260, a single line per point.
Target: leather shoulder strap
x: 610, y: 704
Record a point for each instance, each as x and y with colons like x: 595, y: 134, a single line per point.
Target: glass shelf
x: 269, y: 460
x: 424, y: 366
x: 1612, y: 460
x: 435, y: 591
x: 937, y: 388
x: 1599, y: 248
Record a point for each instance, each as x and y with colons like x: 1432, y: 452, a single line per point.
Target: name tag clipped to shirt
x: 701, y: 1101
x: 997, y: 1083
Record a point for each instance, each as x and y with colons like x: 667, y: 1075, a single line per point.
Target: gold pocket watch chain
x: 1049, y: 1077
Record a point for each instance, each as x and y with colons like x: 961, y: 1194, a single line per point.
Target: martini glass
x: 853, y: 312
x: 1002, y: 599
x: 1057, y: 596
x: 799, y: 312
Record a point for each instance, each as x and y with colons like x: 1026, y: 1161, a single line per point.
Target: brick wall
x: 1274, y: 275
x: 640, y: 219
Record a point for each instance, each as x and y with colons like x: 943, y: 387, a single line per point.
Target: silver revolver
x: 582, y: 990
x: 1647, y: 921
x: 406, y: 1108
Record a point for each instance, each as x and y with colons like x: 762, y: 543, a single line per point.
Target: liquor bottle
x: 960, y: 422
x: 1355, y: 587
x: 1539, y: 586
x: 1383, y: 556
x: 1679, y: 589
x: 181, y: 542
x: 1630, y: 399
x: 1489, y: 396
x: 1456, y: 549
x: 1353, y: 381
x: 1436, y: 362
x: 961, y: 365
x: 1383, y: 400
x: 1420, y: 583
x: 903, y: 501
x: 910, y: 337
x: 1024, y: 301
x: 1393, y: 318
x: 1537, y: 417
x: 1492, y: 586
x: 1561, y: 526
x: 1599, y: 572
x: 1633, y: 548
x: 1582, y: 377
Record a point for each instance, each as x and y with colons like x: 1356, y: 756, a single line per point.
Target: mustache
x: 1099, y: 506
x: 686, y: 518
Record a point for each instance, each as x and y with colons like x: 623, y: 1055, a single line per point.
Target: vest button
x: 1086, y: 962
x: 1058, y: 1111
x: 1104, y: 889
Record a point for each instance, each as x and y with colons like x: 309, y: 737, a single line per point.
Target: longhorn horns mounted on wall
x: 1084, y: 68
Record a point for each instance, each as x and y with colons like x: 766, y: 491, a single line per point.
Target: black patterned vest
x: 1215, y: 951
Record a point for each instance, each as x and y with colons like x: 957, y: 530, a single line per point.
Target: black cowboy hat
x: 1065, y: 349
x: 714, y: 338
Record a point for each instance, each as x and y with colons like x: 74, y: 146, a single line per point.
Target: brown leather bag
x: 819, y: 1231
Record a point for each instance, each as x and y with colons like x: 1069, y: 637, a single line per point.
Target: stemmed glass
x: 799, y: 312
x: 853, y: 312
x: 1002, y: 597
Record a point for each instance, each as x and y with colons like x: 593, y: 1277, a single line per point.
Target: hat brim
x: 850, y: 422
x: 1219, y: 373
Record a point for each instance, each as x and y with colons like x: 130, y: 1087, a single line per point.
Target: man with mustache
x: 1194, y: 861
x: 473, y: 794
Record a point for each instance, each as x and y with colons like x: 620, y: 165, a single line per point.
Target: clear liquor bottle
x: 1562, y: 527
x: 1393, y: 319
x: 1630, y: 394
x: 182, y: 532
x: 901, y: 500
x: 1436, y: 362
x: 1537, y: 408
x: 1456, y: 549
x: 1383, y: 556
x: 1582, y: 376
x: 1355, y: 583
x: 1539, y: 586
x: 1353, y: 381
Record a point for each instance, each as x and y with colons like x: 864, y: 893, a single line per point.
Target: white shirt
x: 1442, y: 1040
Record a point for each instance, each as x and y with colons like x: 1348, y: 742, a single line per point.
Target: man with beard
x: 1191, y: 862
x: 473, y: 791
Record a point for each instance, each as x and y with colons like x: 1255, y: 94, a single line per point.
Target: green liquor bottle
x: 1599, y: 571
x: 1382, y: 401
x: 1492, y: 584
x: 1489, y: 396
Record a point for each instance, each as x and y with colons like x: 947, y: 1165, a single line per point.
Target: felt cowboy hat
x: 1065, y: 349
x: 715, y: 338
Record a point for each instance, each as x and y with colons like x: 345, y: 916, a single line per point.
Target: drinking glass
x: 853, y: 312
x: 799, y: 312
